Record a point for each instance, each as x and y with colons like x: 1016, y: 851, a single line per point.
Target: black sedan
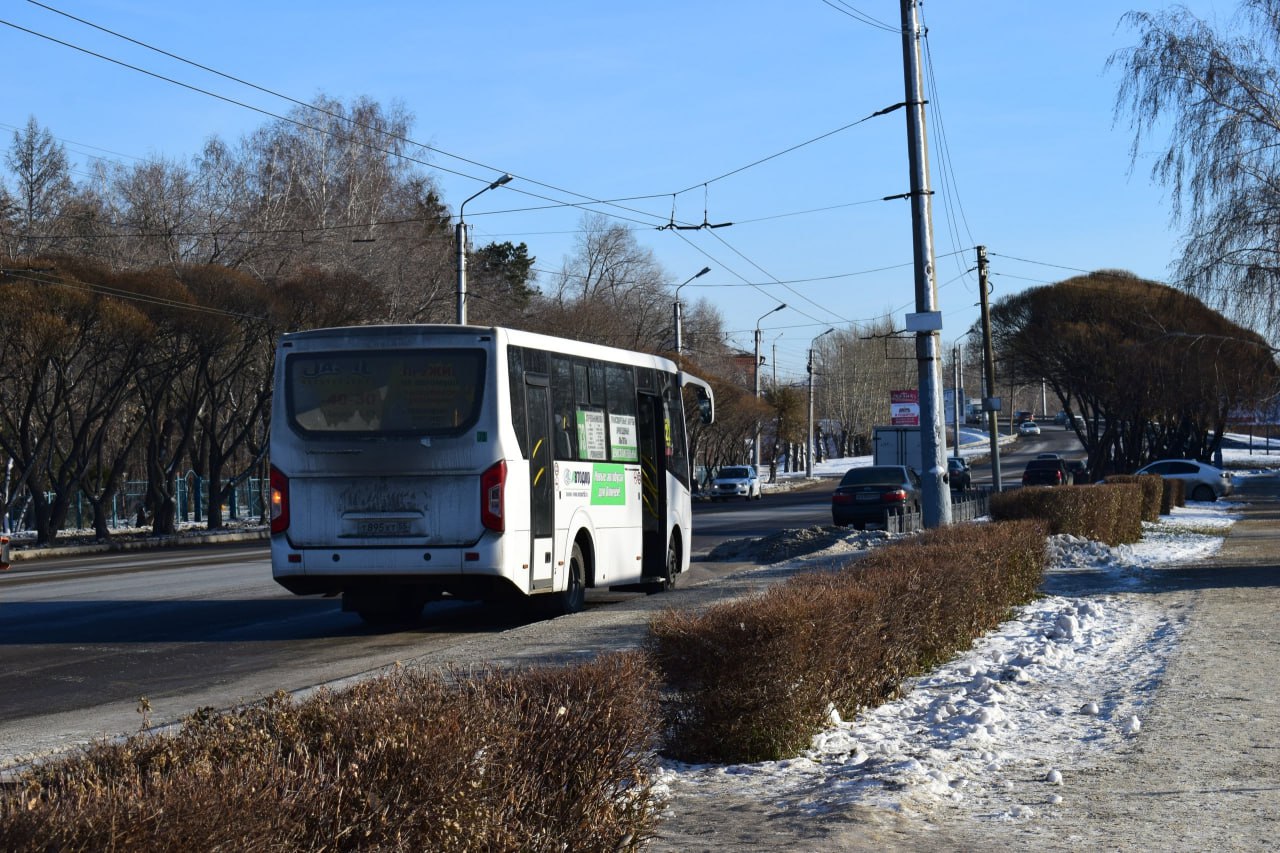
x: 866, y: 494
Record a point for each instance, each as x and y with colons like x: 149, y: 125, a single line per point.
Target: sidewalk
x: 1205, y: 772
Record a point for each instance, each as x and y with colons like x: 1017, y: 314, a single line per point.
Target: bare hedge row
x: 543, y: 759
x: 752, y: 679
x: 1110, y: 513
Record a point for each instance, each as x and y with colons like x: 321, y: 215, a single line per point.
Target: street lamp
x: 755, y: 449
x: 460, y: 239
x: 677, y: 310
x: 808, y: 467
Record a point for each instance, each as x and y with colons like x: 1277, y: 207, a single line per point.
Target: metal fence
x: 245, y: 502
x: 965, y: 506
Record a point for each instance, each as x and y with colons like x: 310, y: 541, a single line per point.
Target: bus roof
x: 518, y: 337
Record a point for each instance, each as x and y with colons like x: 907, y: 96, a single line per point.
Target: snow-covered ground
x: 1008, y: 720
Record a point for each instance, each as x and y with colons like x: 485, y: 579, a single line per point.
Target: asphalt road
x: 1014, y: 455
x: 84, y: 638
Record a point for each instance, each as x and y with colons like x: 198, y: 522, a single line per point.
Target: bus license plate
x: 382, y: 528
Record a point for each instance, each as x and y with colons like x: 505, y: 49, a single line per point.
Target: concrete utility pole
x: 989, y: 402
x: 927, y: 321
x: 809, y: 442
x: 755, y: 445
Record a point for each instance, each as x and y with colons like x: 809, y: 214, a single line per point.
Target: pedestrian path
x: 1205, y: 772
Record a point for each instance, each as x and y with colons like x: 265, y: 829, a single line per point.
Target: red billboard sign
x: 904, y: 407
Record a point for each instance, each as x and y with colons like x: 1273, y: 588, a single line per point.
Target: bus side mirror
x: 705, y: 410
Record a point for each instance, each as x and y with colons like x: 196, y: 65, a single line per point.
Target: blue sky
x: 617, y: 100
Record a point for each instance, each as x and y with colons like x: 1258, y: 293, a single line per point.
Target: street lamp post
x: 460, y: 239
x: 677, y: 310
x: 755, y: 448
x: 809, y: 442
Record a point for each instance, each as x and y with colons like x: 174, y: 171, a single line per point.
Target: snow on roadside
x: 998, y: 730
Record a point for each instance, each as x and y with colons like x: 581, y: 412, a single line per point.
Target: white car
x: 736, y: 481
x: 1028, y: 428
x: 1204, y: 482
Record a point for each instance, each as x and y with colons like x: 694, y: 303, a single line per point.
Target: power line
x: 314, y: 108
x: 788, y: 287
x: 1039, y: 263
x: 588, y: 200
x: 860, y: 16
x: 796, y: 147
x: 116, y: 293
x: 240, y: 81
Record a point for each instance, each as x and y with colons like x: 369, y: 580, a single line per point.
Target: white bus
x: 417, y: 461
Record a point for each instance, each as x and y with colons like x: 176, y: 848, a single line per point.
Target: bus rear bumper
x: 310, y: 571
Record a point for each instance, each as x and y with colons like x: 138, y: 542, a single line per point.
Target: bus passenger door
x: 541, y: 483
x: 651, y: 433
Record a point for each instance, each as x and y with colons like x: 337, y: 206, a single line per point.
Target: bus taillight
x: 279, y: 501
x: 493, y: 483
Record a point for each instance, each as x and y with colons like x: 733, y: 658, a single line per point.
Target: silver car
x: 1204, y: 482
x: 736, y: 481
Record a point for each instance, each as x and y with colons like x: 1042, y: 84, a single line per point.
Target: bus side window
x: 620, y: 398
x: 515, y: 382
x: 563, y: 407
x: 673, y: 411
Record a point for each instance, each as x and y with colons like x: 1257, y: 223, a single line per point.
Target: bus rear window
x: 418, y: 392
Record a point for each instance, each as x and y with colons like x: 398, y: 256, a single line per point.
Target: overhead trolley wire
x: 587, y: 199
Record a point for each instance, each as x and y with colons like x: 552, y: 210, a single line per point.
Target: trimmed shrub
x: 746, y: 676
x: 1175, y: 494
x: 544, y: 759
x: 1110, y: 513
x: 1152, y: 492
x: 751, y: 679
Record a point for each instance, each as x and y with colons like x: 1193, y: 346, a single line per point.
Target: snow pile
x: 997, y: 730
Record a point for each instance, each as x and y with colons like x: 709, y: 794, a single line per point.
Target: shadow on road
x: 248, y: 620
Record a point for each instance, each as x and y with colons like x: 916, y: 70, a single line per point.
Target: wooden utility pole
x: 989, y: 367
x: 926, y: 322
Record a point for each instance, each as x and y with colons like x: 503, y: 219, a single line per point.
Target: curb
x: 146, y: 544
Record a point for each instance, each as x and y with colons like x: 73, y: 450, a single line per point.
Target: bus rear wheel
x: 574, y: 596
x: 670, y: 570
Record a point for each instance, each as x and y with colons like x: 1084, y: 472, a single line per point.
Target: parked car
x: 1028, y: 428
x: 958, y: 472
x: 866, y: 494
x: 1079, y: 470
x: 1204, y: 482
x: 1046, y: 472
x: 736, y: 481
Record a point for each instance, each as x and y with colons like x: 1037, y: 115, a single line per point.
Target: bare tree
x: 611, y: 291
x: 859, y: 367
x: 1217, y: 95
x: 39, y: 165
